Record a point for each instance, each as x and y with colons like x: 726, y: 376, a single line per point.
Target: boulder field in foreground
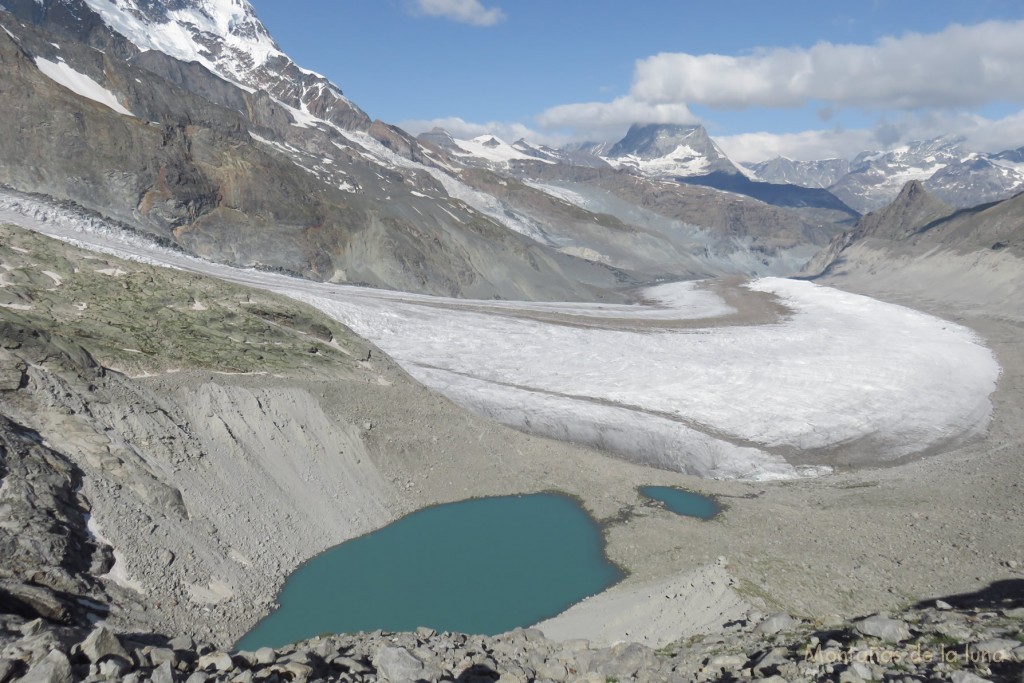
x: 978, y: 640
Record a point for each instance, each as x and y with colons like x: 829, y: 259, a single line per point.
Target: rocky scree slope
x: 108, y: 475
x: 921, y: 246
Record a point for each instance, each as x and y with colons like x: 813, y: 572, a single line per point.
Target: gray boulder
x: 889, y: 630
x: 398, y: 665
x: 164, y: 674
x: 776, y: 623
x: 103, y: 643
x: 54, y: 668
x: 216, y: 661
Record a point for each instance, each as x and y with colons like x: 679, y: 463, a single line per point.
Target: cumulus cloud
x: 604, y: 120
x: 959, y: 66
x: 921, y: 86
x: 464, y: 11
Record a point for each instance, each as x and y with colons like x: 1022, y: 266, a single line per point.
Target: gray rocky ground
x: 978, y: 639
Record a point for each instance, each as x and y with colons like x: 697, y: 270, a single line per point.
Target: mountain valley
x: 242, y: 322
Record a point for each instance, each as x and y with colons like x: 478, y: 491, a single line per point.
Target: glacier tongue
x: 667, y: 383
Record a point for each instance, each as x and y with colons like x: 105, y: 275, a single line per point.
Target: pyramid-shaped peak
x: 912, y: 209
x: 654, y: 140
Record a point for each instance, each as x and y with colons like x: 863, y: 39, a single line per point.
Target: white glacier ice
x: 842, y: 374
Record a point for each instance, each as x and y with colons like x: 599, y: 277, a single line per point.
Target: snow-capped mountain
x: 597, y: 149
x: 570, y: 157
x: 875, y: 178
x: 979, y: 179
x: 668, y: 150
x: 822, y: 174
x: 491, y: 151
x: 225, y: 36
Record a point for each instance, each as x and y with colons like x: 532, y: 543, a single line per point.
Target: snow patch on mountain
x: 187, y: 31
x: 485, y: 204
x: 682, y: 161
x: 80, y: 84
x: 492, y: 149
x: 667, y: 151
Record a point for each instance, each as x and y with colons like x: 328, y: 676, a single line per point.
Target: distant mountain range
x: 686, y: 153
x: 873, y: 179
x: 868, y: 182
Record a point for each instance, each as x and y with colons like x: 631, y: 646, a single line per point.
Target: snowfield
x: 841, y: 378
x: 80, y: 84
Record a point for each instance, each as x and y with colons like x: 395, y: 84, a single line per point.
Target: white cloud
x: 465, y: 11
x: 606, y: 120
x: 924, y: 85
x: 959, y: 66
x: 983, y: 135
x: 979, y: 134
x: 466, y: 130
x: 803, y: 146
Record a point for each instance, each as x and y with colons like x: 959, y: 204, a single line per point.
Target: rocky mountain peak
x: 439, y: 137
x: 670, y: 150
x: 912, y: 192
x: 654, y: 140
x: 913, y: 208
x: 224, y: 36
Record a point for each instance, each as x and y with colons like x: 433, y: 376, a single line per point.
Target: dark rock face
x: 50, y: 560
x: 913, y: 209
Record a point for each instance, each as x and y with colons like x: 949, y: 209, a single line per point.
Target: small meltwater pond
x: 682, y: 502
x: 481, y: 566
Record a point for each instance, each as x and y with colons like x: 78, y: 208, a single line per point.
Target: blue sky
x: 555, y: 70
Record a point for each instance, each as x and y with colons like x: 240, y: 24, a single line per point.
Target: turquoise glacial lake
x: 682, y: 502
x: 478, y: 566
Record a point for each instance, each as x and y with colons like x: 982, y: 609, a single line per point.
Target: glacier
x: 837, y: 377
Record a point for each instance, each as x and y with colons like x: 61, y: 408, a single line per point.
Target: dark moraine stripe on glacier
x: 683, y: 502
x: 478, y: 566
